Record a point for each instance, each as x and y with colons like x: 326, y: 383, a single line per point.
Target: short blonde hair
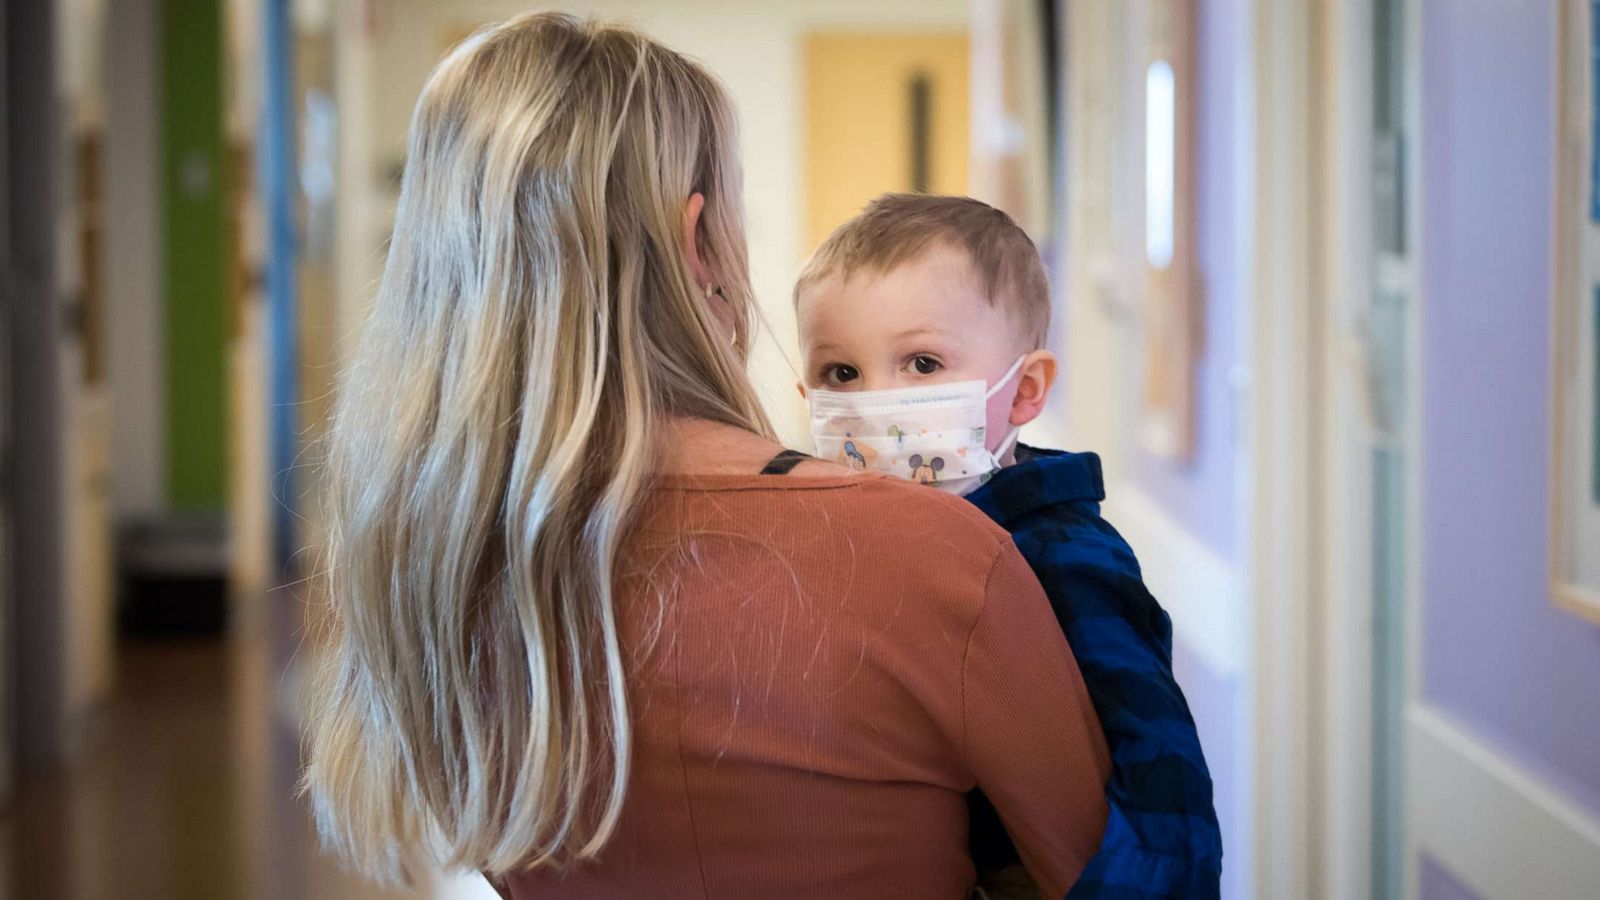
x: 896, y: 229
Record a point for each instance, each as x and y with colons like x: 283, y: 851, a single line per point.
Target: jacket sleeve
x: 1163, y: 837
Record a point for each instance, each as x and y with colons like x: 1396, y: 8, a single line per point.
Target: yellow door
x: 885, y: 111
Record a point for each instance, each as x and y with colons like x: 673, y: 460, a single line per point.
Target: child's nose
x: 883, y: 378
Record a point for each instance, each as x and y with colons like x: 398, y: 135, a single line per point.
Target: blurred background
x: 1327, y: 281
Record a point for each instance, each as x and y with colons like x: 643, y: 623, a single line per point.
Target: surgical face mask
x: 931, y: 434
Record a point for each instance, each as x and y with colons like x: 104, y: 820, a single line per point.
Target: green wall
x: 195, y: 238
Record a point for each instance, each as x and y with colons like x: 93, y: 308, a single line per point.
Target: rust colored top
x: 824, y: 667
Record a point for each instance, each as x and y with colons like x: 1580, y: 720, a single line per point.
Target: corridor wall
x: 1508, y: 681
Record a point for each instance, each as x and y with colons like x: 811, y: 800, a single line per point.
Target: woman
x: 596, y: 636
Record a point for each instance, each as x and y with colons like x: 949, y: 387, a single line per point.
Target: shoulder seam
x: 966, y: 647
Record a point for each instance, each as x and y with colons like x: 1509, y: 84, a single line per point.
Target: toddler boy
x: 922, y: 323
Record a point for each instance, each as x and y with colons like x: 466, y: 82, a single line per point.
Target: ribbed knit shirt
x: 821, y: 668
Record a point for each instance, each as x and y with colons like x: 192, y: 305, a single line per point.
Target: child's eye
x: 925, y: 365
x: 840, y: 374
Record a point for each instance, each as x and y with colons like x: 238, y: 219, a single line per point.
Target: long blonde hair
x: 537, y: 324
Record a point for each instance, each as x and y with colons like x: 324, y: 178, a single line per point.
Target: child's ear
x: 1033, y: 386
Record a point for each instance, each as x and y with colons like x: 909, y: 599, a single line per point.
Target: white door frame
x: 1284, y: 507
x: 1341, y: 829
x: 1346, y: 644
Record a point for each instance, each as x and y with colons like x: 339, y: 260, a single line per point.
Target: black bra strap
x: 784, y: 462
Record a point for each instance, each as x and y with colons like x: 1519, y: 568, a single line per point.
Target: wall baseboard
x: 1494, y: 826
x: 1199, y: 589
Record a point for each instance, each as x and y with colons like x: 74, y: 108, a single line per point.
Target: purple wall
x: 1496, y: 654
x: 1200, y: 494
x: 1215, y: 703
x: 1437, y: 884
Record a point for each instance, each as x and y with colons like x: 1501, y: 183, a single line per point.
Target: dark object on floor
x: 172, y: 576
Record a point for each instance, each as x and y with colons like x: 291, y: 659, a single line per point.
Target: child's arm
x: 1164, y: 835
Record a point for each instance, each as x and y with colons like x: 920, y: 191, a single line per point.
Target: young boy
x: 922, y: 322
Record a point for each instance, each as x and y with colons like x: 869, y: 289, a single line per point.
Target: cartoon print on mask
x: 858, y: 456
x: 939, y: 429
x: 925, y: 472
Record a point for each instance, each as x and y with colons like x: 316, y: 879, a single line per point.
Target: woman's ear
x: 691, y: 239
x: 1037, y: 375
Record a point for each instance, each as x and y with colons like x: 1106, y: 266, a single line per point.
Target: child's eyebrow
x: 926, y: 331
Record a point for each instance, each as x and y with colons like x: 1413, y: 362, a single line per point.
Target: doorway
x: 1371, y: 135
x: 854, y: 152
x: 1388, y: 440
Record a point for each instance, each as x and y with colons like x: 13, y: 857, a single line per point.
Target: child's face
x: 924, y: 322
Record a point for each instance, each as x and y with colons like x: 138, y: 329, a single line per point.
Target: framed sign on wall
x: 1575, y: 317
x: 1166, y: 426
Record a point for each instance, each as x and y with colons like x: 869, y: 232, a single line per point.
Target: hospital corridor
x: 1323, y: 301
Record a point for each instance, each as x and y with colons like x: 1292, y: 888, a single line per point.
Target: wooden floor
x: 186, y: 791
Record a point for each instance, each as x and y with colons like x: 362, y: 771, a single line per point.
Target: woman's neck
x: 699, y: 447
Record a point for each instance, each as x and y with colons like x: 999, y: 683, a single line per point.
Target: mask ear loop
x: 1010, y: 373
x: 1011, y: 436
x: 1005, y: 445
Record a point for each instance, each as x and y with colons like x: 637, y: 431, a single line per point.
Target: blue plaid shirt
x: 1161, y: 841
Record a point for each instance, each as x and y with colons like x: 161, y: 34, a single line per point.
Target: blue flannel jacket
x: 1161, y: 841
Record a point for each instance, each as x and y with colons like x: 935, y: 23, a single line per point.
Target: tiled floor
x: 186, y: 791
